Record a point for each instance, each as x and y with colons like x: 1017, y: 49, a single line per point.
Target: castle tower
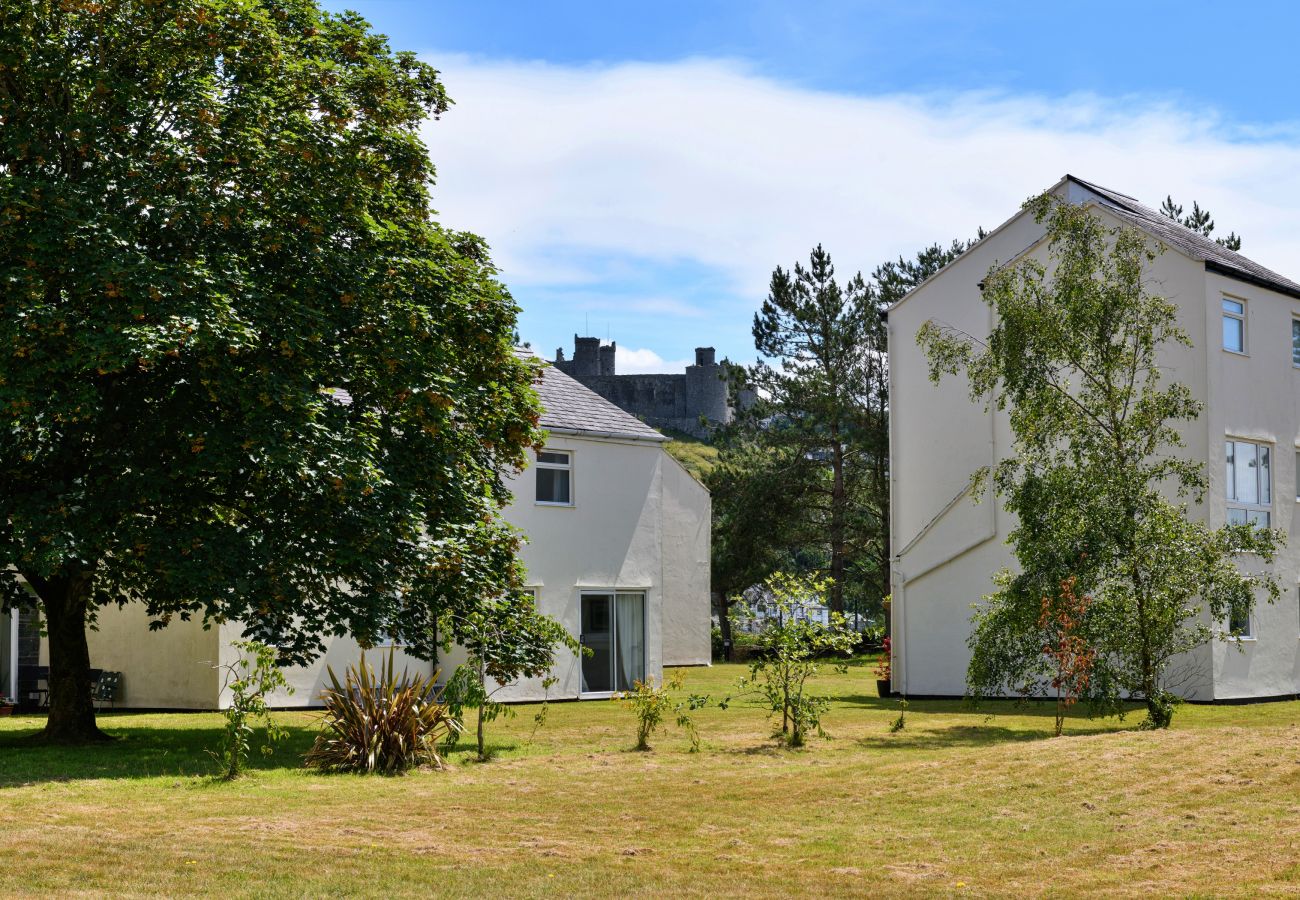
x: 706, y: 389
x: 607, y: 358
x: 586, y: 356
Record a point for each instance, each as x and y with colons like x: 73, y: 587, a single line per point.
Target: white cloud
x: 631, y: 361
x: 704, y: 163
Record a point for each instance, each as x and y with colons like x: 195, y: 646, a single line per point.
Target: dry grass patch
x: 959, y: 802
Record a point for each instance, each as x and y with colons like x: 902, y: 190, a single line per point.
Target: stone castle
x: 690, y: 402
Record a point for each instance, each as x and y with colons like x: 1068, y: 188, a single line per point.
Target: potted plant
x: 7, y: 705
x: 884, y: 670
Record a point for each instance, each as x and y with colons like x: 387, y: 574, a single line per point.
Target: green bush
x: 386, y: 724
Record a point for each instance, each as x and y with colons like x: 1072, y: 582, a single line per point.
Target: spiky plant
x: 387, y: 723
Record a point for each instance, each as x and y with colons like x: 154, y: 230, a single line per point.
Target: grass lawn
x: 959, y: 802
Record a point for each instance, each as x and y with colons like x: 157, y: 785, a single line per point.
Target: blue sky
x: 640, y: 168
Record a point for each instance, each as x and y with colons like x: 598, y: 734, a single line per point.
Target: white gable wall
x: 947, y: 548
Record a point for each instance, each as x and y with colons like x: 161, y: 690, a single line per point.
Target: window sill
x: 551, y: 504
x: 1241, y: 639
x: 1236, y: 352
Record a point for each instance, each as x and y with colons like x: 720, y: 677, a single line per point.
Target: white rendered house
x: 618, y: 551
x: 1244, y: 366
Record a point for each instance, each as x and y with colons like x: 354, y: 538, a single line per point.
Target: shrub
x: 786, y: 655
x: 652, y: 703
x: 386, y: 724
x: 252, y: 676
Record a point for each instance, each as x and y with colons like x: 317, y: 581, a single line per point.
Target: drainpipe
x: 13, y: 654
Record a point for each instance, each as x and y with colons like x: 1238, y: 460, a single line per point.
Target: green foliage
x: 507, y: 639
x: 388, y: 723
x: 802, y: 480
x: 1079, y: 357
x: 651, y: 704
x: 901, y: 722
x: 787, y: 655
x: 214, y: 218
x: 250, y: 678
x: 821, y: 382
x: 1199, y: 220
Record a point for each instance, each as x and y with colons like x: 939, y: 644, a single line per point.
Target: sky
x: 640, y: 169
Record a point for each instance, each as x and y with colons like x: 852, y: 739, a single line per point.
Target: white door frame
x: 612, y: 594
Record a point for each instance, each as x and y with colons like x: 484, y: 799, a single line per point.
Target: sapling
x: 252, y: 675
x: 787, y: 653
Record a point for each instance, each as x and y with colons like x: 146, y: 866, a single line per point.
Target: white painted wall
x: 947, y: 547
x: 639, y: 522
x: 685, y: 565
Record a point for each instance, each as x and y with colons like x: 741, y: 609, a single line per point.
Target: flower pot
x: 883, y: 687
x: 6, y: 710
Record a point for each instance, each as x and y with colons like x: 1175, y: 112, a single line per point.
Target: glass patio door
x: 613, y: 630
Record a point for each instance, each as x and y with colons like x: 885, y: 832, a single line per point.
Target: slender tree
x: 815, y: 338
x: 245, y: 375
x: 774, y: 488
x: 1098, y: 483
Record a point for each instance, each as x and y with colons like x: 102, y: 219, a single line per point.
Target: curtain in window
x: 630, y: 632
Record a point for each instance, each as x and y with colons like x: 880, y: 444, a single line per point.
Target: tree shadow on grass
x: 137, y: 752
x: 959, y: 736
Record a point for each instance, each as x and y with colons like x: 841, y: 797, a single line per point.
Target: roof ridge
x: 1189, y: 241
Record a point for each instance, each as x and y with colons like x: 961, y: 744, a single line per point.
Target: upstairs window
x: 1249, y: 483
x: 1295, y: 342
x: 555, y: 477
x: 1234, y: 325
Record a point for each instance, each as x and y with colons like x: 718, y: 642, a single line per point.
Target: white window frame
x: 1247, y: 634
x: 1263, y: 505
x: 559, y: 467
x: 1225, y: 313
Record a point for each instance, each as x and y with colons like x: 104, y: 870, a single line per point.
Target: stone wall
x: 676, y: 401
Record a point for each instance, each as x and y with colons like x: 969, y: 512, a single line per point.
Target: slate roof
x: 570, y: 407
x: 1216, y: 257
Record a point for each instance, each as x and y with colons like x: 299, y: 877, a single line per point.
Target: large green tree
x: 814, y: 379
x: 804, y: 480
x: 246, y: 376
x: 1099, y: 482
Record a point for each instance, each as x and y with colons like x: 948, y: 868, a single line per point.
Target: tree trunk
x: 72, y: 712
x: 838, y: 504
x: 482, y: 685
x: 724, y: 624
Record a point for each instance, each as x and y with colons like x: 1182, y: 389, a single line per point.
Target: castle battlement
x: 669, y: 400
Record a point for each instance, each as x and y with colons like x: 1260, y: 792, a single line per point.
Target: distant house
x: 1244, y: 366
x: 618, y: 552
x: 763, y: 609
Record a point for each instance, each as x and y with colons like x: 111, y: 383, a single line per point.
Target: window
x: 555, y: 477
x: 1240, y: 625
x: 1234, y: 325
x: 1295, y: 342
x: 1248, y: 483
